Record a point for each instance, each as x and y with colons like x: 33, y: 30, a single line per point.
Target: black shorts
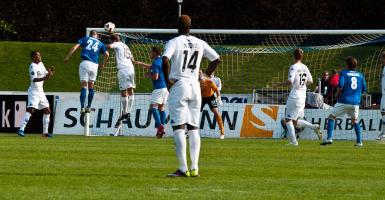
x: 209, y: 100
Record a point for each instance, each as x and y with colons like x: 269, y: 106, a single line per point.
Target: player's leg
x: 161, y: 107
x: 382, y: 134
x: 291, y: 113
x: 44, y: 105
x: 84, y: 77
x: 194, y: 105
x: 125, y: 113
x: 305, y: 124
x: 131, y: 97
x: 218, y: 118
x: 162, y: 120
x: 357, y: 129
x: 90, y: 95
x: 23, y: 124
x: 178, y: 108
x: 92, y: 74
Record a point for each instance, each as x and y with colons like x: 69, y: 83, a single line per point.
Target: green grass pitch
x: 77, y: 167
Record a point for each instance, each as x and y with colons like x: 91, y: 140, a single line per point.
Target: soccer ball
x: 109, y: 27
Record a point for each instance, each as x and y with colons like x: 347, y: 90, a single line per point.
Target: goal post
x: 251, y: 61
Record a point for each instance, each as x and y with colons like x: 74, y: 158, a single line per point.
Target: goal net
x: 251, y: 60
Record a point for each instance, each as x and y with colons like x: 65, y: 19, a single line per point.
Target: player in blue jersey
x: 88, y: 68
x: 350, y: 88
x: 160, y: 93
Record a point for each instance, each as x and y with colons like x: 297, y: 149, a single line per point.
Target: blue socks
x: 357, y: 129
x: 163, y: 117
x: 330, y: 128
x: 90, y: 96
x: 155, y: 113
x: 83, y: 94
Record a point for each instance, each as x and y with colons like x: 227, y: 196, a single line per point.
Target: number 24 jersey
x: 353, y: 85
x: 185, y: 53
x: 299, y: 76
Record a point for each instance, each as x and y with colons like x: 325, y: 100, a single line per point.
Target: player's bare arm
x: 105, y: 60
x: 71, y: 51
x: 142, y: 64
x: 212, y: 67
x: 166, y: 70
x: 283, y: 83
x: 51, y: 71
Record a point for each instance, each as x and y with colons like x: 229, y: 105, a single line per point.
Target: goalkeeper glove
x: 219, y: 101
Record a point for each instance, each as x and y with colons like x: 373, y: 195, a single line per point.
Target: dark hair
x: 383, y: 54
x: 33, y: 53
x: 351, y: 62
x: 156, y: 50
x: 298, y: 54
x: 115, y: 37
x: 184, y: 23
x: 93, y: 32
x: 335, y: 71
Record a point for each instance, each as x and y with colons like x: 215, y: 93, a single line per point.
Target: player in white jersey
x: 382, y: 134
x: 299, y: 78
x: 126, y: 77
x: 185, y: 53
x: 36, y: 96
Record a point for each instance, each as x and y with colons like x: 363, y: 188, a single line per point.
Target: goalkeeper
x: 208, y: 88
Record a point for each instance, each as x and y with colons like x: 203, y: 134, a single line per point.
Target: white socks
x: 305, y: 124
x: 25, y: 120
x: 195, y: 147
x: 130, y: 103
x: 291, y: 132
x: 180, y: 144
x: 125, y: 105
x: 45, y: 123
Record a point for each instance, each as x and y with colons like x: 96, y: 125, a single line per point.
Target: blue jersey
x: 156, y: 68
x: 91, y: 48
x: 352, y: 84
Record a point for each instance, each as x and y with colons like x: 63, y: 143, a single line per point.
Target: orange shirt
x: 208, y: 87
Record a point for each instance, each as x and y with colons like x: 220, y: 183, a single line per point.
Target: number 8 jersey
x: 185, y: 53
x: 299, y: 76
x: 352, y: 84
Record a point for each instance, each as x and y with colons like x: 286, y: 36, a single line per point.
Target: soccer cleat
x: 194, y: 173
x: 20, y: 133
x: 120, y: 119
x: 327, y: 142
x: 379, y: 137
x: 292, y: 144
x: 179, y: 173
x: 46, y: 135
x: 359, y: 144
x: 82, y: 111
x: 160, y: 132
x: 87, y: 110
x: 118, y: 123
x: 222, y: 137
x: 318, y: 132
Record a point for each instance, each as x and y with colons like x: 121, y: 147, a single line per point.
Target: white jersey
x: 383, y: 82
x: 217, y: 82
x: 299, y: 76
x: 37, y: 71
x: 123, y: 56
x: 185, y: 53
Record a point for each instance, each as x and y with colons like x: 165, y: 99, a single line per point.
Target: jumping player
x: 88, y: 68
x: 299, y: 78
x: 185, y: 53
x: 160, y: 93
x: 208, y: 88
x: 36, y: 96
x: 350, y: 88
x: 126, y: 76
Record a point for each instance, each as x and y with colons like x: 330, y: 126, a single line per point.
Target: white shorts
x: 88, y: 71
x: 341, y: 109
x: 159, y: 96
x: 126, y: 79
x: 295, y: 108
x: 383, y: 103
x: 185, y: 103
x: 37, y: 100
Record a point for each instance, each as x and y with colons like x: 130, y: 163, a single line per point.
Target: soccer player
x: 382, y: 134
x: 88, y: 68
x: 185, y: 53
x: 126, y: 76
x: 208, y: 88
x: 36, y: 96
x: 350, y: 88
x: 299, y: 78
x: 160, y: 93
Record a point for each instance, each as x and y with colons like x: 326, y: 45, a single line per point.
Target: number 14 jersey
x: 185, y: 53
x: 299, y: 76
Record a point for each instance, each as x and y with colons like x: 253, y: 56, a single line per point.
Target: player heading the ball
x: 36, y: 96
x: 185, y: 53
x: 88, y: 68
x: 299, y: 78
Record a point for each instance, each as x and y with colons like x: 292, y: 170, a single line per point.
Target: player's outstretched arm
x: 212, y: 67
x: 283, y: 83
x: 70, y: 52
x: 142, y: 64
x: 105, y: 60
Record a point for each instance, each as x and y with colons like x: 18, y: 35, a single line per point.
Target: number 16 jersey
x: 299, y: 76
x: 185, y: 53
